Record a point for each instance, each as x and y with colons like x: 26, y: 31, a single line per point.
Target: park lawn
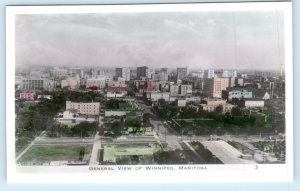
x: 112, y: 152
x: 48, y: 153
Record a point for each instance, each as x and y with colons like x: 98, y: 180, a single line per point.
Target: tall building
x: 181, y: 73
x: 91, y: 108
x: 164, y: 70
x: 123, y: 73
x: 210, y: 73
x: 150, y: 72
x: 174, y: 89
x: 141, y: 72
x: 213, y: 86
x: 32, y: 84
x: 186, y: 90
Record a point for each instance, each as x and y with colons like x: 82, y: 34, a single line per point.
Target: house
x: 261, y: 93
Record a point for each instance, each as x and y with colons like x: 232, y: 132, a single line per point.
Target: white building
x: 210, y: 73
x: 72, y: 83
x: 115, y: 94
x: 45, y: 97
x: 197, y: 74
x: 71, y: 118
x: 181, y: 102
x: 123, y: 73
x: 186, y: 90
x: 252, y: 103
x: 211, y: 105
x: 96, y: 82
x: 174, y: 89
x: 155, y: 96
x: 91, y: 108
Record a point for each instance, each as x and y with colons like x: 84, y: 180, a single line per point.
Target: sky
x: 217, y: 40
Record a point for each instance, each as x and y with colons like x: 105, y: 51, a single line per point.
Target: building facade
x: 181, y: 73
x: 27, y: 95
x: 213, y: 87
x: 91, y: 108
x: 123, y: 73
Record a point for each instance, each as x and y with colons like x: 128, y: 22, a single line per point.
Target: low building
x: 212, y: 105
x: 155, y: 96
x: 181, y: 102
x: 116, y: 113
x: 238, y: 93
x: 99, y: 83
x: 252, y: 102
x: 115, y: 95
x: 72, y: 117
x: 71, y: 83
x: 261, y: 93
x: 91, y: 108
x: 27, y: 95
x: 49, y: 97
x: 186, y: 90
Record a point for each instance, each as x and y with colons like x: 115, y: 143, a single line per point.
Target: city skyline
x: 193, y: 40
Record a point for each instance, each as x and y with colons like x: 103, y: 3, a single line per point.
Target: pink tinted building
x: 27, y: 95
x: 118, y: 88
x: 147, y: 85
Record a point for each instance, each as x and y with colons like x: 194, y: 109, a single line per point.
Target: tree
x: 81, y: 153
x: 117, y: 128
x: 219, y: 109
x: 236, y: 111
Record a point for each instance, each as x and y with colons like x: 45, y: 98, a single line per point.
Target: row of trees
x: 83, y: 129
x: 236, y: 122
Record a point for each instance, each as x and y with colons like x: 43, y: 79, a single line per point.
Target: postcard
x: 153, y: 93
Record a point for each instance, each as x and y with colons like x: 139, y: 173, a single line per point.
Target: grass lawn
x: 112, y: 152
x: 40, y: 154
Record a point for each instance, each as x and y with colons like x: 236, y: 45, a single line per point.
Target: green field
x: 112, y: 152
x: 42, y: 154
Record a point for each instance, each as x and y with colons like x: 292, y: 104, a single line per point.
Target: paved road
x: 94, y: 160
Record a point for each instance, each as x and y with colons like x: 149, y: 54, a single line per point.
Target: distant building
x: 32, y: 84
x: 213, y: 87
x: 141, y: 72
x: 71, y: 83
x: 50, y: 97
x: 210, y: 73
x: 261, y: 93
x: 185, y: 90
x: 164, y: 70
x: 27, y: 95
x: 150, y: 72
x: 181, y: 102
x: 118, y: 87
x: 72, y: 117
x: 252, y: 102
x: 211, y: 105
x: 174, y: 89
x: 59, y: 73
x: 96, y: 82
x: 123, y: 73
x: 197, y: 74
x: 181, y: 73
x: 115, y: 94
x: 155, y: 96
x: 229, y: 73
x: 238, y: 93
x: 239, y: 82
x: 91, y: 108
